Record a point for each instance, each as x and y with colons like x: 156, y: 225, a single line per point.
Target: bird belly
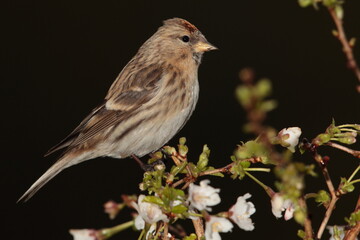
x: 147, y: 137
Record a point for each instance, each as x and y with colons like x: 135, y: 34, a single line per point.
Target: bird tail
x: 55, y: 169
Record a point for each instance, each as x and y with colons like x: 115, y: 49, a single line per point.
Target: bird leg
x: 147, y: 167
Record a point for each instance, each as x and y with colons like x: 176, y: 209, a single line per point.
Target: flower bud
x: 289, y: 137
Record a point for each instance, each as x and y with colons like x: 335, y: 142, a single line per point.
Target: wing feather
x: 130, y: 91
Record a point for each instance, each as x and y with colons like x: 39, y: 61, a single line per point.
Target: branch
x: 333, y: 194
x: 347, y: 48
x: 327, y: 216
x: 353, y: 232
x: 307, y: 223
x: 199, y: 228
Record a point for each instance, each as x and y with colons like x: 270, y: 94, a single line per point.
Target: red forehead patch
x: 191, y: 28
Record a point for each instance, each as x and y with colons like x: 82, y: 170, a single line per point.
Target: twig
x: 166, y: 231
x: 333, y: 194
x: 309, y: 234
x: 327, y: 216
x: 199, y: 228
x: 326, y: 174
x: 345, y: 149
x: 347, y: 49
x: 218, y: 170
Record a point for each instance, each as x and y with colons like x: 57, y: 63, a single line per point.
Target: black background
x: 60, y: 58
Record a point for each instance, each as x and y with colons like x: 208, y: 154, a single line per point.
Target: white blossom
x: 241, y: 212
x: 84, y: 234
x: 340, y: 232
x: 290, y: 137
x: 203, y: 196
x: 279, y: 204
x: 148, y: 212
x: 216, y: 225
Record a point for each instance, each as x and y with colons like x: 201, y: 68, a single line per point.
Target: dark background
x: 60, y: 58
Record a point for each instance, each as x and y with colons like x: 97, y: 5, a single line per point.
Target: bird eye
x: 185, y: 38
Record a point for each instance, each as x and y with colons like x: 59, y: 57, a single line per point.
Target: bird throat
x: 197, y: 57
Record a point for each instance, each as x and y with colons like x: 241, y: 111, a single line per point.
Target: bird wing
x: 124, y: 97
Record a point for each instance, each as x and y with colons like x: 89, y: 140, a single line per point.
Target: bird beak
x: 204, y: 46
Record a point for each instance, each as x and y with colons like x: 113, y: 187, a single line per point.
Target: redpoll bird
x: 148, y: 103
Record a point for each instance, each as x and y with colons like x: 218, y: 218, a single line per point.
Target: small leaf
x: 243, y: 94
x: 301, y: 234
x: 153, y: 199
x: 179, y: 209
x: 203, y: 159
x: 268, y: 105
x: 182, y: 141
x: 304, y: 3
x: 190, y: 237
x: 263, y: 88
x: 339, y: 11
x: 322, y: 197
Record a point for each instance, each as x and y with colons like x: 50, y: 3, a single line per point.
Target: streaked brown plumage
x: 148, y: 103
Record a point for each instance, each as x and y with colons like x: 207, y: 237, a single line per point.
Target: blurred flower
x: 216, y: 225
x: 84, y: 234
x: 240, y: 213
x: 279, y: 204
x: 148, y: 212
x: 336, y: 232
x: 202, y: 196
x: 289, y: 137
x: 112, y: 208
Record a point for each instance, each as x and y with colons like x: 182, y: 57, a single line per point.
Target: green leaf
x: 268, y: 105
x: 177, y: 169
x: 203, y: 159
x: 304, y: 3
x: 190, y: 237
x: 179, y: 209
x: 251, y: 149
x: 322, y: 197
x: 354, y: 218
x: 182, y: 141
x: 263, y: 88
x: 245, y: 164
x: 346, y: 186
x: 154, y: 199
x: 243, y: 94
x: 301, y: 234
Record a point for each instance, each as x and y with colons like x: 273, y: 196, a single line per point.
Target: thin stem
x: 346, y: 125
x: 257, y: 169
x: 348, y: 130
x: 332, y: 191
x: 345, y: 149
x: 257, y: 181
x: 166, y: 231
x: 353, y: 174
x: 355, y: 181
x: 108, y: 232
x: 310, y: 195
x: 141, y: 234
x: 218, y: 170
x: 326, y: 174
x: 181, y: 181
x: 307, y: 223
x: 327, y: 216
x: 347, y: 49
